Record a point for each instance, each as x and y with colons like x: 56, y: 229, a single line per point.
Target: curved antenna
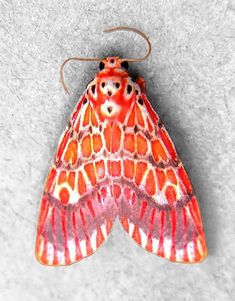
x: 96, y: 59
x: 140, y: 33
x: 83, y: 59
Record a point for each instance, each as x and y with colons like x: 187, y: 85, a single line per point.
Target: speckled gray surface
x: 189, y: 79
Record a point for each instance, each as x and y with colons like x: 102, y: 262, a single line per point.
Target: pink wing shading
x: 68, y: 234
x: 77, y: 207
x: 157, y: 206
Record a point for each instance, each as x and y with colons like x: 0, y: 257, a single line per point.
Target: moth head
x: 110, y: 63
x: 113, y: 62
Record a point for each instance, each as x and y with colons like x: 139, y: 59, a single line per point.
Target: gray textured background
x: 189, y: 79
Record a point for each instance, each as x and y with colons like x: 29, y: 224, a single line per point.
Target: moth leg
x: 142, y: 84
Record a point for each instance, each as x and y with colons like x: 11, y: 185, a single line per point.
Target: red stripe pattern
x: 68, y: 234
x: 116, y: 158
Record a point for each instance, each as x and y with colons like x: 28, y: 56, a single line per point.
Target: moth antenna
x: 140, y: 33
x: 83, y: 59
x: 96, y: 59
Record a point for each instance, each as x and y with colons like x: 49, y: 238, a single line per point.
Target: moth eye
x: 117, y: 85
x: 103, y: 84
x: 129, y: 89
x: 101, y: 66
x: 124, y: 65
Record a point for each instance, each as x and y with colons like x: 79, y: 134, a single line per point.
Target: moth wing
x: 158, y: 207
x: 77, y: 210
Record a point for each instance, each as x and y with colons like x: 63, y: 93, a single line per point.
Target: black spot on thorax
x: 93, y: 89
x: 129, y: 89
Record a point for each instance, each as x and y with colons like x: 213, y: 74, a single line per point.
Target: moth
x: 116, y: 159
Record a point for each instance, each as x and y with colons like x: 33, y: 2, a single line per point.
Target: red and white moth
x: 116, y: 158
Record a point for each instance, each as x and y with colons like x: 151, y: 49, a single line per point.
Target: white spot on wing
x: 73, y: 197
x: 190, y: 251
x: 144, y: 238
x: 83, y: 247
x: 160, y: 198
x: 155, y: 243
x: 61, y: 257
x: 167, y: 243
x: 72, y: 249
x: 50, y: 253
x: 93, y: 240
x: 179, y: 254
